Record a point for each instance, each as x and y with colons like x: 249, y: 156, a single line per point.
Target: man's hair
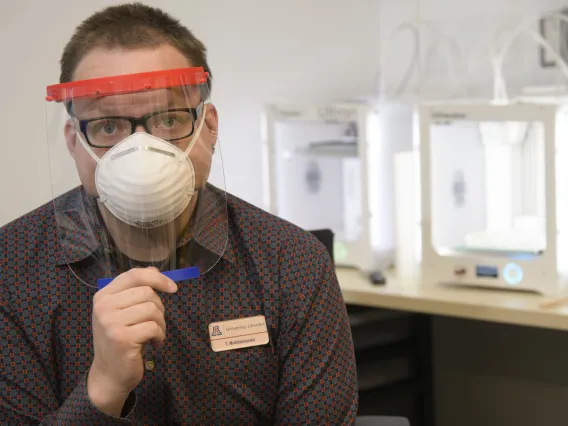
x: 131, y: 26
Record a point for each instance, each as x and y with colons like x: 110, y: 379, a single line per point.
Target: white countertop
x: 481, y: 304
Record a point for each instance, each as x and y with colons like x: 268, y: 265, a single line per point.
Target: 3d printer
x: 494, y: 195
x: 330, y: 166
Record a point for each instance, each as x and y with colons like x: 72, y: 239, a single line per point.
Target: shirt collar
x: 80, y: 227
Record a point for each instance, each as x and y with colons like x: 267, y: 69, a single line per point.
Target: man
x: 94, y: 328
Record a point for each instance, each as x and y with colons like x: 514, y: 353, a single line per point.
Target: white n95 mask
x: 145, y: 181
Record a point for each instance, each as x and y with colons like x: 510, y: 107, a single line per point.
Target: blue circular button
x: 512, y: 273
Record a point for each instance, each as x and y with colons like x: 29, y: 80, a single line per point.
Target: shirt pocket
x: 250, y: 374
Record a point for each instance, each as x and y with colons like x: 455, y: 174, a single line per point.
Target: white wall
x: 260, y: 51
x: 472, y: 25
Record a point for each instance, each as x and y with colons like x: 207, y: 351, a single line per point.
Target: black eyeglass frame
x: 141, y: 121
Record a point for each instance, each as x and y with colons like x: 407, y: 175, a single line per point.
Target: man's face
x: 104, y: 63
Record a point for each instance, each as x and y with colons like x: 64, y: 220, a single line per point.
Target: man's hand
x: 127, y: 314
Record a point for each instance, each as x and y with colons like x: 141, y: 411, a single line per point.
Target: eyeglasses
x: 170, y: 125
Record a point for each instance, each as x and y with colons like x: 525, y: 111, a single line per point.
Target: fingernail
x: 173, y: 286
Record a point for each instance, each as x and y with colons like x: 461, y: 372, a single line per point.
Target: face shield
x: 129, y: 160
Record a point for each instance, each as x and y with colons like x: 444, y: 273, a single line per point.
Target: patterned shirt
x: 304, y: 375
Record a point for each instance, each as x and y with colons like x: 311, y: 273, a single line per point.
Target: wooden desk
x: 508, y: 366
x: 499, y: 306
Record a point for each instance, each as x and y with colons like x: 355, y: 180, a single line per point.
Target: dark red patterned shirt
x: 305, y: 375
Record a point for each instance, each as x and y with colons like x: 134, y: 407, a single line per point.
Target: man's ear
x: 70, y: 137
x: 211, y: 119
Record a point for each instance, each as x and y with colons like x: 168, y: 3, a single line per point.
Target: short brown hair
x: 130, y: 26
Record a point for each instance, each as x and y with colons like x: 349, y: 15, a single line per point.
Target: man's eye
x: 169, y: 121
x: 109, y: 128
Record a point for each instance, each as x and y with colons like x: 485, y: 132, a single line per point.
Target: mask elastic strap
x: 197, y: 133
x: 87, y: 147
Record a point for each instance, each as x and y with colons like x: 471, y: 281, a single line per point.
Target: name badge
x: 238, y: 333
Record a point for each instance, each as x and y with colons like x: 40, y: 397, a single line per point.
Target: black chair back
x: 326, y: 238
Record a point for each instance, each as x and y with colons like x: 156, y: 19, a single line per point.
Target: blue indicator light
x: 512, y: 273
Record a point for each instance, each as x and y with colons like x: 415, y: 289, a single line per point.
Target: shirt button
x: 150, y: 365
